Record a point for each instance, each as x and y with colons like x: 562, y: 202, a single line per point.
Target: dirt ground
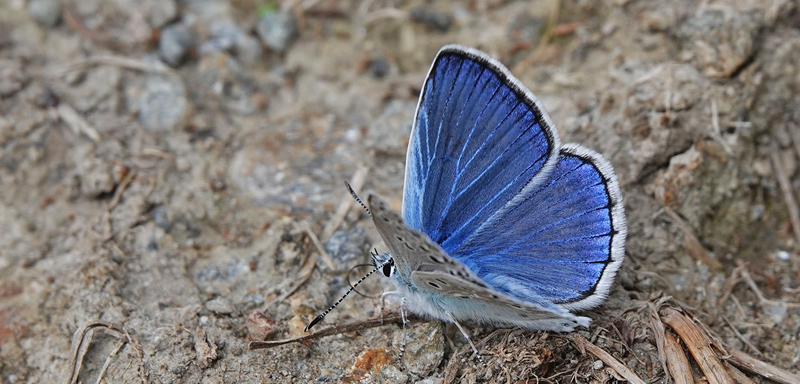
x: 171, y: 184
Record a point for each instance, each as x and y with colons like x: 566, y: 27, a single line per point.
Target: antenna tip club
x: 313, y: 323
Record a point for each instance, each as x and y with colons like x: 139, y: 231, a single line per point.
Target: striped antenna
x: 325, y: 313
x: 353, y: 193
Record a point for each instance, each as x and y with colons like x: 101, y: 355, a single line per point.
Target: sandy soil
x: 155, y: 218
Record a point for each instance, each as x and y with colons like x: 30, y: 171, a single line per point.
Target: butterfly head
x: 384, y: 263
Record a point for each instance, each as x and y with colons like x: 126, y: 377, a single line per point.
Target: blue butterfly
x: 501, y: 224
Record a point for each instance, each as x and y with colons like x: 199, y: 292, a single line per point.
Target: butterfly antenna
x: 352, y: 288
x: 353, y: 193
x: 351, y: 284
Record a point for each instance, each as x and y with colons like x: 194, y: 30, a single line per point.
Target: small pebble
x: 220, y: 306
x: 96, y: 177
x: 175, y: 43
x: 432, y: 18
x: 277, y: 30
x: 45, y: 12
x: 229, y: 37
x: 777, y: 312
x: 783, y: 255
x: 379, y: 67
x: 163, y: 105
x: 260, y: 326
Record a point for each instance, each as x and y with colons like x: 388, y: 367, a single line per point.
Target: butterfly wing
x: 480, y: 183
x: 480, y: 138
x: 468, y: 301
x: 435, y: 283
x: 563, y: 240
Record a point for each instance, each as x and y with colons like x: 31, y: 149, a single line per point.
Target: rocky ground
x: 171, y: 184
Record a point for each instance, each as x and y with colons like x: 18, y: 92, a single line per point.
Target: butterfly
x: 501, y: 224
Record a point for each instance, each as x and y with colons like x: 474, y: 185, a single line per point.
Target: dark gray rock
x: 438, y: 20
x: 379, y: 67
x: 175, y: 43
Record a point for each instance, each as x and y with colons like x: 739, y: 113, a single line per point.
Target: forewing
x: 412, y: 250
x: 480, y: 138
x: 564, y: 241
x: 468, y: 301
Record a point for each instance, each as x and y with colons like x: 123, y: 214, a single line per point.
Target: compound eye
x: 388, y: 269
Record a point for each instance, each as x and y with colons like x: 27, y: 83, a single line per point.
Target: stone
x: 175, y: 43
x: 220, y: 305
x: 45, y: 12
x: 277, y: 30
x: 96, y: 177
x: 229, y: 37
x: 164, y: 104
x: 438, y: 20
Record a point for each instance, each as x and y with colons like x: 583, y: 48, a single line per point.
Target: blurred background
x: 171, y: 181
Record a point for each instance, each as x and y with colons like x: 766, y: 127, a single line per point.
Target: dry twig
x: 658, y: 332
x: 334, y: 330
x: 763, y: 300
x: 118, y: 61
x: 786, y: 189
x: 80, y: 345
x: 76, y: 122
x: 741, y: 337
x: 326, y: 258
x: 108, y: 361
x: 698, y: 346
x: 605, y: 357
x: 716, y: 132
x: 123, y: 185
x: 140, y: 354
x: 751, y: 364
x: 677, y: 364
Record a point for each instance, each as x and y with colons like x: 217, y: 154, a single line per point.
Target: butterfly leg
x: 464, y: 332
x: 383, y: 300
x: 405, y: 321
